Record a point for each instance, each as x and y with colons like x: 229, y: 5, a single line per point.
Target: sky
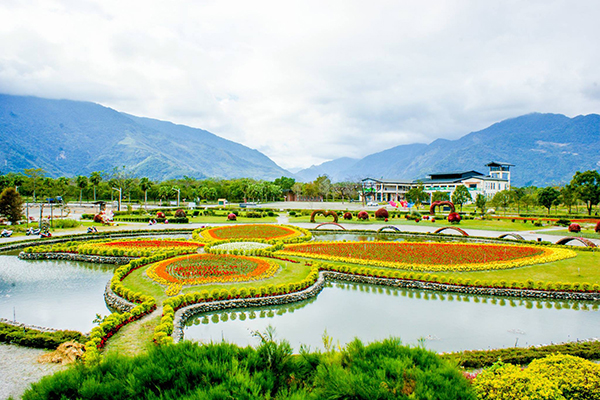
x: 309, y: 81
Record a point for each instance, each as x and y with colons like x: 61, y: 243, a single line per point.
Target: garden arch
x: 388, y: 227
x: 514, y: 235
x: 325, y: 214
x: 441, y: 203
x: 587, y: 243
x: 452, y: 228
x: 330, y: 223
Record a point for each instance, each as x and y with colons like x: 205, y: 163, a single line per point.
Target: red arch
x: 568, y: 239
x: 330, y: 223
x: 453, y: 228
x: 515, y: 235
x: 441, y: 203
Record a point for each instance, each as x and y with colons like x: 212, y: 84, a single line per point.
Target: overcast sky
x: 309, y: 81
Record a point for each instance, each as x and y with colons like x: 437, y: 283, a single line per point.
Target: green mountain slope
x: 73, y: 138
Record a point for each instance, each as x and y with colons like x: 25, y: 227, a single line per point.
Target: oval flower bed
x: 430, y: 256
x: 284, y: 233
x: 138, y: 247
x: 209, y: 268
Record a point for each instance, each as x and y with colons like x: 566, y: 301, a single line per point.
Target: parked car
x: 372, y: 204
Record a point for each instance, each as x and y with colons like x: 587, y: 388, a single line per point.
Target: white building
x: 477, y: 183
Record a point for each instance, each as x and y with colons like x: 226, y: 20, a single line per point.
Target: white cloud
x: 309, y: 81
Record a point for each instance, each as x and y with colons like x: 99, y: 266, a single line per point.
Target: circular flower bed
x: 430, y: 256
x: 199, y: 269
x: 252, y: 231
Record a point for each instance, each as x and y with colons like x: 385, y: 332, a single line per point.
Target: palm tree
x: 95, y: 178
x: 82, y: 183
x: 145, y: 185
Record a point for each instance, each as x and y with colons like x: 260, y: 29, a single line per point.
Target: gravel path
x: 20, y: 368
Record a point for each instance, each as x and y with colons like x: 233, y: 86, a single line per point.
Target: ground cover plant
x: 380, y: 370
x: 429, y: 256
x: 285, y: 233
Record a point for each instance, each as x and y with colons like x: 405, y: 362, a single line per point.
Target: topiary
x: 363, y: 215
x: 160, y: 214
x: 382, y: 213
x: 575, y: 228
x: 454, y: 218
x: 597, y: 228
x: 180, y: 214
x: 232, y: 217
x: 98, y: 218
x: 347, y: 215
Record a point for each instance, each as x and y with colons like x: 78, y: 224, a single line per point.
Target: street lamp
x: 120, y: 190
x: 178, y: 195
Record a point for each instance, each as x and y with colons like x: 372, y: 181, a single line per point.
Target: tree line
x: 584, y: 188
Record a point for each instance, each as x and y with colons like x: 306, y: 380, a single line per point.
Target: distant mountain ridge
x: 68, y: 138
x: 545, y: 148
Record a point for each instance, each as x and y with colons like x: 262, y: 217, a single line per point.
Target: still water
x: 442, y: 321
x: 55, y: 294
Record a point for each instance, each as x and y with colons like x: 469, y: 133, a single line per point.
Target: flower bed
x: 285, y: 233
x: 142, y: 247
x: 209, y: 268
x: 243, y: 246
x: 430, y: 256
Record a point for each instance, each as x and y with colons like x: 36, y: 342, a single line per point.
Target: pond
x: 442, y: 321
x: 54, y: 294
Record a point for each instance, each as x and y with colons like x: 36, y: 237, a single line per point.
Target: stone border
x: 184, y: 313
x: 119, y: 260
x: 27, y: 326
x: 117, y: 302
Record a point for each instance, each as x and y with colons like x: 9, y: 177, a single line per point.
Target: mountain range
x: 69, y: 138
x: 545, y: 149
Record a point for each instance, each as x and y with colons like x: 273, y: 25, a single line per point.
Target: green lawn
x: 586, y: 233
x: 135, y: 338
x: 220, y: 219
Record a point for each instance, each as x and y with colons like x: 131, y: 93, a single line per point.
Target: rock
x: 66, y: 353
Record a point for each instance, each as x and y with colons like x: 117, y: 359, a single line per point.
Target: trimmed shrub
x: 347, y: 215
x: 180, y: 214
x: 563, y: 222
x: 382, y: 213
x: 363, y: 215
x: 160, y: 214
x: 454, y: 218
x: 597, y: 228
x: 232, y: 217
x: 575, y: 228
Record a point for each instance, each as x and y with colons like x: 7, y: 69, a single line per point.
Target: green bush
x: 38, y: 339
x: 380, y: 370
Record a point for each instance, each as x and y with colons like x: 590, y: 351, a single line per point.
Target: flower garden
x: 429, y: 256
x: 254, y: 261
x: 208, y: 268
x: 268, y: 232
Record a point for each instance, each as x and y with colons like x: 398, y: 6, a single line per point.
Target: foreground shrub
x: 381, y: 370
x: 555, y: 377
x: 575, y: 228
x: 347, y: 215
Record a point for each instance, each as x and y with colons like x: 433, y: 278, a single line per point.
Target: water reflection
x: 447, y: 321
x: 53, y: 293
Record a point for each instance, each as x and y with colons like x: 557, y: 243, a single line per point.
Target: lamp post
x: 120, y: 190
x: 178, y: 195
